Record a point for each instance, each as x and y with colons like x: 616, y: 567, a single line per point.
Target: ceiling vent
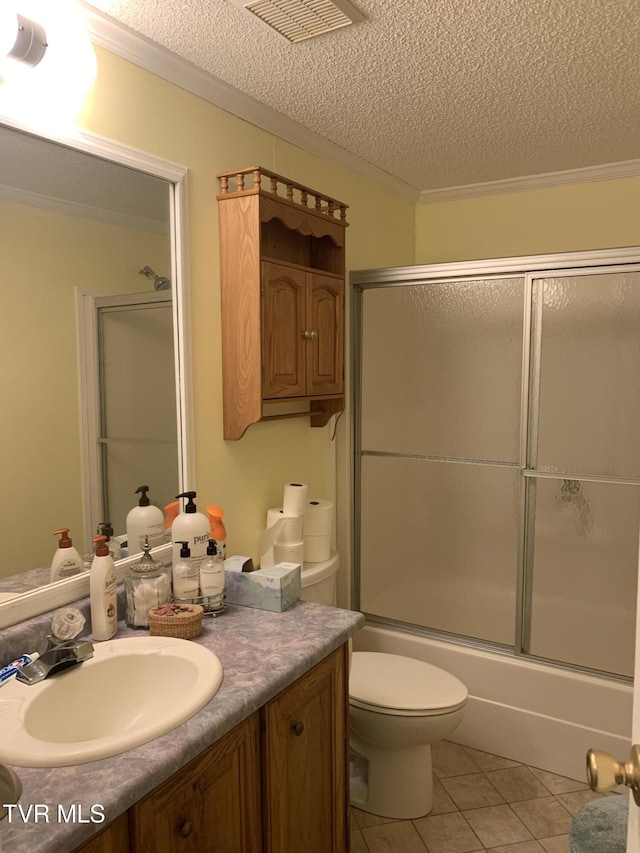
x: 298, y: 20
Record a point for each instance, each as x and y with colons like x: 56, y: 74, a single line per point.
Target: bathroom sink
x: 131, y: 691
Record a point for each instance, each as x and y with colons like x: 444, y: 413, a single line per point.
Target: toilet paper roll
x: 273, y: 515
x: 318, y: 518
x: 290, y: 553
x: 284, y: 528
x: 317, y: 548
x: 286, y: 531
x: 267, y: 558
x: 295, y: 498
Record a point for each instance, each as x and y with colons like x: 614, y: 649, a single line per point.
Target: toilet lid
x: 404, y: 684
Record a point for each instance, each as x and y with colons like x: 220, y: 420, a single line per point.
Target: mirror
x: 91, y: 346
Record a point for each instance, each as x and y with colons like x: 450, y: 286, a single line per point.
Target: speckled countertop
x: 262, y: 653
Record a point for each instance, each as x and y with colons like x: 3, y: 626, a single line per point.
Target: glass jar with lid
x: 147, y: 584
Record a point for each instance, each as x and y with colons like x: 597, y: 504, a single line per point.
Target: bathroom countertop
x: 261, y: 652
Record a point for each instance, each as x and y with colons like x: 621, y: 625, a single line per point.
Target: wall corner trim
x: 587, y: 174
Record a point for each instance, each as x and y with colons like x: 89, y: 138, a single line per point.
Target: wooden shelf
x: 282, y: 289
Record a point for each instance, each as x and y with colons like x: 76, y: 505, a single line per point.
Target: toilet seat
x: 394, y: 684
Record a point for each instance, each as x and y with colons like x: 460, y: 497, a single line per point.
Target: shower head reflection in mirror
x: 33, y: 602
x: 160, y: 282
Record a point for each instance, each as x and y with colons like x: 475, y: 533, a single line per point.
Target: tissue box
x: 275, y: 588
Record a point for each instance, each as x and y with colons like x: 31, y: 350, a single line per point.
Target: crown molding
x: 587, y: 174
x: 127, y: 44
x: 84, y: 211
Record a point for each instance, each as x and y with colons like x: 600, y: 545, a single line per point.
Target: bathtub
x: 539, y: 715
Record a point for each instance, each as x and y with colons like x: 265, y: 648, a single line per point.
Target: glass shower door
x: 439, y: 455
x: 583, y: 472
x: 138, y: 423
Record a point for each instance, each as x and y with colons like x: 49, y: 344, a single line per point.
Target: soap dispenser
x: 147, y: 584
x: 192, y: 527
x: 212, y: 579
x: 103, y: 593
x: 112, y: 544
x: 144, y: 520
x: 66, y: 560
x: 186, y: 578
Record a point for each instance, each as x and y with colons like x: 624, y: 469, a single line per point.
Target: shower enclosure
x: 130, y: 434
x: 497, y: 454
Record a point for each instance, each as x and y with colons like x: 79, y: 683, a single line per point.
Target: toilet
x: 398, y: 707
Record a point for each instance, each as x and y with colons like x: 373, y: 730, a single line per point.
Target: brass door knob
x: 604, y: 772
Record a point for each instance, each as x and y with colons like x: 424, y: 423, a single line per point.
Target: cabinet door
x: 211, y: 806
x: 113, y: 839
x: 283, y: 344
x: 325, y: 320
x: 305, y: 761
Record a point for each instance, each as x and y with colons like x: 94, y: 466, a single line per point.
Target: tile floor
x: 481, y: 802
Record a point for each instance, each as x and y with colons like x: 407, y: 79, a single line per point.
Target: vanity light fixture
x: 28, y: 41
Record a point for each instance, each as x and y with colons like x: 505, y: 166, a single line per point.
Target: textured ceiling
x: 438, y: 93
x: 89, y: 184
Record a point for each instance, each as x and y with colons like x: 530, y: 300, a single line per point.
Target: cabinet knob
x: 186, y: 828
x: 306, y: 335
x: 313, y: 335
x: 297, y: 728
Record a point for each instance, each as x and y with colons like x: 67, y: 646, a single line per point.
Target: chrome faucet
x: 60, y: 657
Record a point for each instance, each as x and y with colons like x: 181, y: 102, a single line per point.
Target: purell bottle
x: 192, y: 527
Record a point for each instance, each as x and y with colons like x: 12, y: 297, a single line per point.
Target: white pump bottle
x: 192, y: 527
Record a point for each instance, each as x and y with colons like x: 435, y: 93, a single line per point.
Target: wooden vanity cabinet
x: 277, y: 783
x: 211, y: 806
x: 113, y: 839
x: 305, y: 763
x: 282, y: 266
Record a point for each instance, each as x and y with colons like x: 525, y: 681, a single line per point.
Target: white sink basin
x: 132, y: 691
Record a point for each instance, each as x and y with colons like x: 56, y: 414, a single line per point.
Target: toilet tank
x: 319, y: 581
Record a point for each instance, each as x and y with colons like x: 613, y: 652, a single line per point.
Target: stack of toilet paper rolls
x: 298, y: 531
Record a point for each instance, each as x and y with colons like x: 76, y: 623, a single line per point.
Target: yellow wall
x: 602, y: 214
x: 45, y: 256
x: 132, y: 106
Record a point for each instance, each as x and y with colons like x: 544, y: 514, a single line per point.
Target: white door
x: 633, y: 834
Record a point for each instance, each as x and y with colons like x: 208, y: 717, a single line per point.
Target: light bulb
x: 50, y: 93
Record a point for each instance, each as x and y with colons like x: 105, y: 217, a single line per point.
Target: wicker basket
x: 184, y: 624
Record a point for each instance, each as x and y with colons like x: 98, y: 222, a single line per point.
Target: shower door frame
x: 89, y: 306
x: 528, y: 267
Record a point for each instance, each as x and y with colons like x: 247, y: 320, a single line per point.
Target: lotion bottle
x: 66, y: 560
x: 186, y: 578
x: 191, y: 527
x: 144, y: 520
x: 103, y: 593
x: 212, y: 578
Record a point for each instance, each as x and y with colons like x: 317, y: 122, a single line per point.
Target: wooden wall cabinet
x: 277, y: 783
x: 282, y: 265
